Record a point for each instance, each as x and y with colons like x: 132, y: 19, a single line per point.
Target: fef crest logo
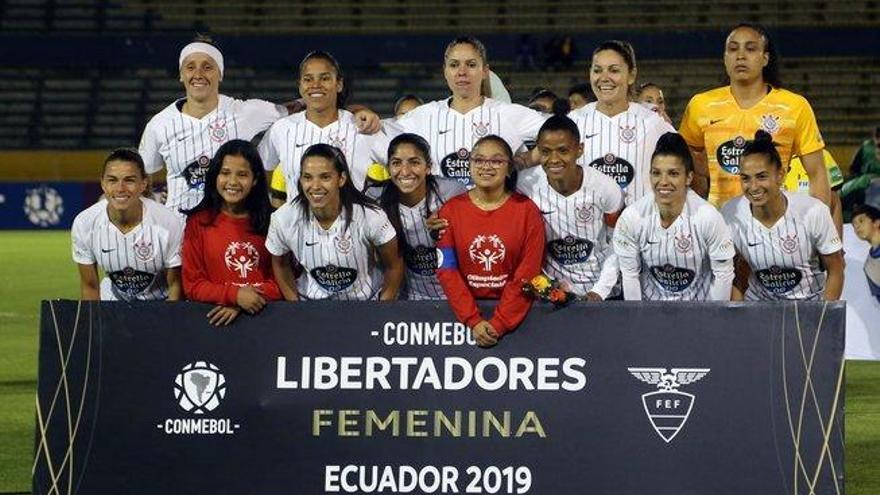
x: 199, y: 387
x: 668, y: 408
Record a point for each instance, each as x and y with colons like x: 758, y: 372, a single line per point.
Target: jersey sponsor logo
x: 43, y: 206
x: 728, y: 154
x: 131, y: 282
x: 241, y: 257
x: 457, y: 166
x: 143, y: 249
x: 683, y: 243
x: 217, y: 130
x: 343, y: 243
x: 487, y: 250
x: 673, y: 278
x: 422, y: 260
x: 615, y: 167
x: 570, y: 250
x: 334, y: 278
x: 770, y: 123
x: 480, y: 129
x: 627, y: 134
x: 195, y: 172
x: 789, y: 244
x: 779, y: 280
x: 584, y: 213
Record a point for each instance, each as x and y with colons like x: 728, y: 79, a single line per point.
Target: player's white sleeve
x: 607, y: 277
x: 627, y: 250
x: 275, y: 238
x: 823, y: 234
x: 379, y: 147
x: 611, y: 200
x: 149, y: 150
x: 268, y: 150
x: 528, y: 122
x: 527, y: 180
x: 719, y: 247
x: 173, y: 255
x: 378, y: 228
x: 260, y: 113
x: 722, y: 279
x: 79, y: 235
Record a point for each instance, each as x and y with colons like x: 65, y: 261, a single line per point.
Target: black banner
x: 332, y: 397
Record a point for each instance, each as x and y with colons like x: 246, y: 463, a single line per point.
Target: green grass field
x: 37, y: 266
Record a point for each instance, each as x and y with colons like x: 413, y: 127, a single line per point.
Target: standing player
x: 412, y: 198
x: 783, y: 239
x: 453, y: 125
x: 335, y: 232
x: 717, y: 123
x: 797, y: 180
x: 323, y: 87
x: 134, y: 240
x: 618, y: 136
x: 225, y: 261
x: 580, y: 207
x: 672, y: 245
x: 493, y: 241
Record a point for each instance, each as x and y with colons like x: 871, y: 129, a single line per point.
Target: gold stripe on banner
x: 67, y: 463
x: 46, y: 165
x: 800, y: 469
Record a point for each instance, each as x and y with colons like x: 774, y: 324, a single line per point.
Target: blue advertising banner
x: 337, y: 397
x: 40, y: 205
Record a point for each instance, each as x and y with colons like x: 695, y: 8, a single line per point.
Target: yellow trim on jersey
x: 797, y: 180
x: 278, y: 182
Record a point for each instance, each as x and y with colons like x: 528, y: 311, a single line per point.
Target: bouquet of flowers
x: 544, y: 288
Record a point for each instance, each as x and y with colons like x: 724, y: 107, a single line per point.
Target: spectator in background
x: 542, y: 100
x: 651, y: 95
x: 865, y: 168
x: 866, y: 223
x: 525, y: 54
x: 579, y: 95
x: 406, y: 103
x: 134, y: 240
x: 225, y: 261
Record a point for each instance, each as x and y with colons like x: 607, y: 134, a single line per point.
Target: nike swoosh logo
x: 107, y: 250
x: 181, y: 139
x: 713, y: 122
x: 754, y: 244
x: 300, y: 145
x: 548, y: 212
x: 653, y: 242
x: 310, y: 244
x: 588, y: 136
x: 443, y: 131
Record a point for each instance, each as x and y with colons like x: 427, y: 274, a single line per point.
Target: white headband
x: 199, y: 47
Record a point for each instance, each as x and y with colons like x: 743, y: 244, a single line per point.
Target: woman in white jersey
x: 453, y: 125
x: 672, y: 245
x: 334, y: 231
x: 787, y: 245
x: 134, y: 240
x: 325, y: 120
x: 186, y: 134
x: 412, y: 199
x: 618, y: 135
x: 580, y: 206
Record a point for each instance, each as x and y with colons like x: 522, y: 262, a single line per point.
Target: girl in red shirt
x: 225, y: 261
x: 493, y: 241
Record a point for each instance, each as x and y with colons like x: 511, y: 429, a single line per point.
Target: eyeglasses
x: 489, y: 162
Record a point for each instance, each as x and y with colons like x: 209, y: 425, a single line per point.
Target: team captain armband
x: 446, y: 258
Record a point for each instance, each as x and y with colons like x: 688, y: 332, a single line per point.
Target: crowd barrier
x: 342, y: 397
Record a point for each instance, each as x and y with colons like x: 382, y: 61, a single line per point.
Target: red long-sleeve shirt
x: 221, y: 257
x: 487, y: 255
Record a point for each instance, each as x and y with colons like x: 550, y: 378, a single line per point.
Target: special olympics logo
x: 241, y: 257
x: 43, y: 206
x: 487, y: 250
x: 199, y: 387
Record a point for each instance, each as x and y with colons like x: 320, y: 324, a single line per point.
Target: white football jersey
x: 673, y: 262
x: 134, y: 262
x: 784, y: 258
x: 290, y: 137
x: 578, y: 239
x: 184, y: 145
x: 339, y: 261
x: 621, y: 146
x: 452, y: 134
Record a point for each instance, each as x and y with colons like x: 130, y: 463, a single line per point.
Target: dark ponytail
x: 672, y: 144
x: 763, y: 145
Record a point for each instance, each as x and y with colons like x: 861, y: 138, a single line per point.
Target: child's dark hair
x: 762, y: 145
x: 342, y: 97
x: 510, y: 179
x: 348, y: 194
x: 672, y: 144
x: 868, y: 210
x: 389, y: 200
x: 257, y: 202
